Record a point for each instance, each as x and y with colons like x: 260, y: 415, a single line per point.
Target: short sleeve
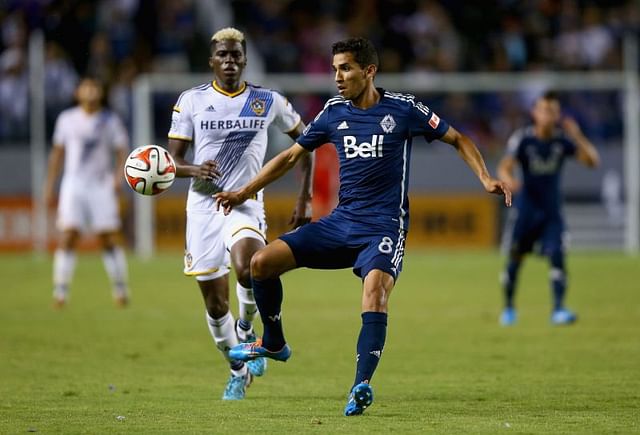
x: 181, y: 119
x: 424, y: 122
x: 119, y: 135
x: 286, y: 117
x: 316, y: 133
x: 59, y: 134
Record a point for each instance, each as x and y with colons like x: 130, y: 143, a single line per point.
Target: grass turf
x: 447, y: 367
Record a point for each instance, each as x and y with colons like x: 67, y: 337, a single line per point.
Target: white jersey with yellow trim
x: 230, y: 129
x: 89, y: 140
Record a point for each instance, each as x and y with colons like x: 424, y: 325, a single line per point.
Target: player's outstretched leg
x: 560, y: 315
x: 369, y: 351
x: 268, y: 295
x: 509, y: 316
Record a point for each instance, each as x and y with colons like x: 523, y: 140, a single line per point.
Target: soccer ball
x: 149, y: 170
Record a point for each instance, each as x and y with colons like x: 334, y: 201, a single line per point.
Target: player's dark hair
x: 551, y: 96
x: 363, y: 51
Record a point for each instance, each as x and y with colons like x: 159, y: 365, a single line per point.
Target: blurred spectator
x: 14, y: 95
x: 60, y: 79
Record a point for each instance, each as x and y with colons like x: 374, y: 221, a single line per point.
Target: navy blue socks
x: 558, y: 279
x: 370, y: 345
x: 509, y: 281
x: 268, y: 296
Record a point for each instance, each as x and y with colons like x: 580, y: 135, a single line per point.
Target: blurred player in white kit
x: 91, y: 142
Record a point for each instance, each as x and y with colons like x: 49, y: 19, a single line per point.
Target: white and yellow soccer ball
x: 150, y: 170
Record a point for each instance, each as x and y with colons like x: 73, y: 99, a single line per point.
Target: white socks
x: 223, y: 332
x: 64, y: 264
x: 115, y: 264
x: 247, y: 308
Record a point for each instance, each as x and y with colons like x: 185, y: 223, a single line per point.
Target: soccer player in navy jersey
x: 372, y: 131
x: 541, y: 150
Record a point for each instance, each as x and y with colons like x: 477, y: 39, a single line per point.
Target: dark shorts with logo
x: 334, y: 242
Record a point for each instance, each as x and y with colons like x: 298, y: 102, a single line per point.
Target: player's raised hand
x: 499, y: 188
x: 228, y: 200
x: 301, y: 213
x: 571, y: 127
x: 208, y: 170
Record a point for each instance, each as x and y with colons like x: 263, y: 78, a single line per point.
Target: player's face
x: 228, y: 61
x: 546, y: 113
x: 89, y: 92
x: 351, y: 79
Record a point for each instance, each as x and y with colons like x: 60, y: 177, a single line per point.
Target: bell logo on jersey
x: 364, y: 149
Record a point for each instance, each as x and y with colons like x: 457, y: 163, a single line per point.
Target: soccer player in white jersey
x: 85, y: 140
x: 226, y: 122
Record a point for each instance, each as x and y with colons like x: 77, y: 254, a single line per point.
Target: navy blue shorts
x: 535, y: 228
x: 337, y: 243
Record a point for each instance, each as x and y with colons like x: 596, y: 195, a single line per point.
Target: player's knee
x: 243, y: 275
x: 217, y: 307
x: 260, y: 266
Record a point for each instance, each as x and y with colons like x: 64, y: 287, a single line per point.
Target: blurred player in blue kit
x: 372, y: 130
x: 541, y: 150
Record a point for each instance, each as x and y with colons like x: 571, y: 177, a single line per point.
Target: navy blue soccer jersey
x: 541, y: 161
x: 374, y: 148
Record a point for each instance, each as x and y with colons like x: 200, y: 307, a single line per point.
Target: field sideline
x: 447, y: 367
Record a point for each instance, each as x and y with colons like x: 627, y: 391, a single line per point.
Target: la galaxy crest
x: 257, y: 106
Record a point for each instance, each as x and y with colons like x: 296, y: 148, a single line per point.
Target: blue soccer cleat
x: 508, y: 317
x: 257, y: 366
x: 563, y: 316
x: 237, y: 387
x: 251, y: 351
x: 361, y: 398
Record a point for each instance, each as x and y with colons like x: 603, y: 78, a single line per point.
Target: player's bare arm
x: 506, y: 169
x: 586, y: 152
x: 302, y: 211
x: 54, y: 168
x: 121, y: 157
x: 208, y: 170
x: 274, y: 169
x: 471, y: 155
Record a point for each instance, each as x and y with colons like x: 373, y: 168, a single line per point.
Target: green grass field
x: 447, y: 368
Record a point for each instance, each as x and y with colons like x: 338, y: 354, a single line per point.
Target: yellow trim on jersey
x: 250, y: 229
x: 176, y: 109
x: 175, y: 136
x: 206, y: 272
x: 294, y: 127
x: 229, y: 94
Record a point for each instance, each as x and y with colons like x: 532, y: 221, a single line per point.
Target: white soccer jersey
x: 230, y: 129
x: 89, y: 141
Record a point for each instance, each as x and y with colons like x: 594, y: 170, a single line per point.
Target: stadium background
x: 120, y: 41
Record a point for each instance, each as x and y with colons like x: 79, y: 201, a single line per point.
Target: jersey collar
x: 243, y: 86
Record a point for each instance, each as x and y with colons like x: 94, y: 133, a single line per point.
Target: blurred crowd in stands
x: 116, y: 40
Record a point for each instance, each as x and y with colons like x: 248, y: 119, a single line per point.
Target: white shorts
x: 88, y: 207
x: 211, y: 234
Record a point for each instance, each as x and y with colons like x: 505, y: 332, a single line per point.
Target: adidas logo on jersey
x: 210, y: 108
x: 343, y: 125
x: 364, y: 149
